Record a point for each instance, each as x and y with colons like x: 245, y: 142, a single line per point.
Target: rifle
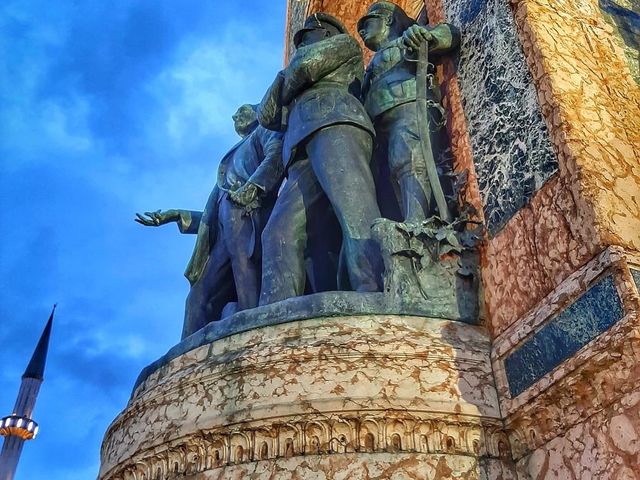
x: 422, y: 112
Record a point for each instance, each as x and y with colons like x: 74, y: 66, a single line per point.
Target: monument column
x: 546, y: 116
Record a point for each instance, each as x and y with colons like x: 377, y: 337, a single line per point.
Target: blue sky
x: 108, y: 108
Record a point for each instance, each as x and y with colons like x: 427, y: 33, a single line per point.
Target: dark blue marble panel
x: 512, y: 151
x: 593, y: 313
x: 627, y: 20
x: 636, y: 277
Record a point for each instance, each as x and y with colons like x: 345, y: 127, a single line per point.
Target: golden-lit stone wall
x: 581, y: 419
x: 591, y: 105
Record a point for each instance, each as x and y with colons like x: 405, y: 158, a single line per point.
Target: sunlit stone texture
x: 406, y: 394
x: 591, y: 106
x: 579, y: 419
x: 562, y: 420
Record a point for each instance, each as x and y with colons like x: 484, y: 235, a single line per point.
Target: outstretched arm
x: 188, y: 221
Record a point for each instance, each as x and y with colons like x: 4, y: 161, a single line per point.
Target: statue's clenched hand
x: 157, y: 218
x: 246, y: 195
x: 415, y: 35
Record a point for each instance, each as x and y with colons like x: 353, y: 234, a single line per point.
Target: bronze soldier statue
x: 327, y: 151
x: 225, y: 265
x: 407, y: 137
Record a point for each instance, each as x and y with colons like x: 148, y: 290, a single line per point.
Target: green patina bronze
x: 224, y: 270
x: 370, y: 203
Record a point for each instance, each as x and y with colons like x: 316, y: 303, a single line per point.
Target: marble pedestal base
x: 371, y: 396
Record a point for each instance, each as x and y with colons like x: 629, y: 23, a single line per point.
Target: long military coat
x: 257, y: 158
x: 320, y: 87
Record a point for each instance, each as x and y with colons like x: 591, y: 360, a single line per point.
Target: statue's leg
x: 324, y: 241
x: 213, y: 290
x: 387, y: 188
x: 284, y: 239
x: 407, y: 163
x: 340, y: 156
x: 239, y: 240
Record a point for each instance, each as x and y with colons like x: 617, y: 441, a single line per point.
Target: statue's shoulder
x: 342, y: 43
x: 264, y: 135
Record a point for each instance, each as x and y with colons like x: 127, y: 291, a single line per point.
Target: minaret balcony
x: 18, y: 426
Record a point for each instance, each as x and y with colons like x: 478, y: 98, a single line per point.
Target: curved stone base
x: 318, y: 398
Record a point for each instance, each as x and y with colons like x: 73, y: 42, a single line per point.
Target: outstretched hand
x: 245, y: 196
x: 157, y: 218
x: 415, y: 35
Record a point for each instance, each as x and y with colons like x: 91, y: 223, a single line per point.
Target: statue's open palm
x: 157, y: 218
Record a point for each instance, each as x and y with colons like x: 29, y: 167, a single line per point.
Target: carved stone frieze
x: 331, y: 433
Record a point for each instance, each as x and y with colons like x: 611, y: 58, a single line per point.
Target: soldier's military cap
x: 317, y: 21
x: 386, y: 10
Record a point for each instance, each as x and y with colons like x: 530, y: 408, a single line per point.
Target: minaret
x: 18, y: 427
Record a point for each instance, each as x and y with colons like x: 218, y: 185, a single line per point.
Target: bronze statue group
x: 331, y: 149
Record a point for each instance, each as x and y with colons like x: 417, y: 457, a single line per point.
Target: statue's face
x: 375, y: 32
x: 313, y: 36
x: 243, y: 119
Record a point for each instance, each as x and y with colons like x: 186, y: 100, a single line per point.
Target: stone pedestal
x: 367, y: 396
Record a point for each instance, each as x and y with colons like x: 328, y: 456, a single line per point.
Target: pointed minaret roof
x: 35, y: 369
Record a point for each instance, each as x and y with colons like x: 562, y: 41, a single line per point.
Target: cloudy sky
x: 108, y: 108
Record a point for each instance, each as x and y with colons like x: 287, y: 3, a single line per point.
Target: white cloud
x: 210, y: 80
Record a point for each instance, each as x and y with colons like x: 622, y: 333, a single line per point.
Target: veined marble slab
x: 592, y: 314
x: 407, y: 392
x: 512, y: 151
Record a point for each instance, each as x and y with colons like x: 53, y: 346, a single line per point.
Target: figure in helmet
x: 327, y: 148
x: 389, y: 93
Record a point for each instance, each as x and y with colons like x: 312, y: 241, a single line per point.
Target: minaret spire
x: 35, y: 369
x: 18, y: 427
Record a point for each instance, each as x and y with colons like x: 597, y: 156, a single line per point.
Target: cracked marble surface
x: 512, y: 151
x: 392, y: 377
x: 370, y: 467
x: 560, y: 426
x: 594, y: 122
x: 606, y: 446
x: 594, y: 312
